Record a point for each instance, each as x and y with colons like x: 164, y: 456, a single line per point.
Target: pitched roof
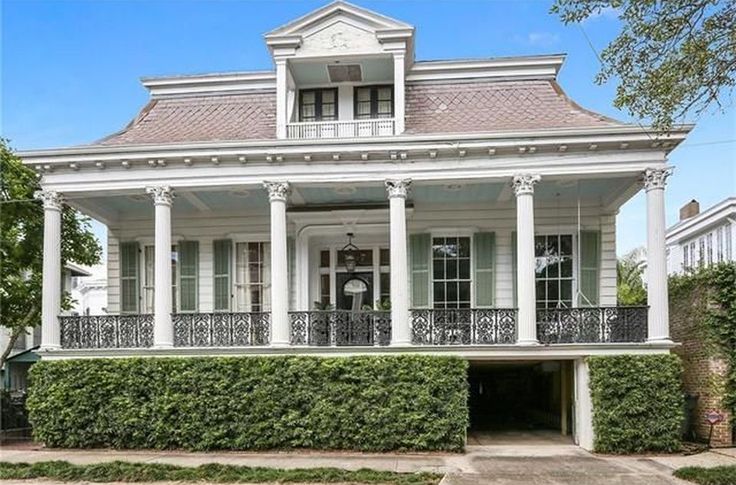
x: 492, y: 106
x: 431, y: 108
x: 246, y: 116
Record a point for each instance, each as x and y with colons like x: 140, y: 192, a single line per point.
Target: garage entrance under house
x: 529, y: 402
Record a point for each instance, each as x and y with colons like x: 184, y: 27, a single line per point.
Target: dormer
x: 340, y: 73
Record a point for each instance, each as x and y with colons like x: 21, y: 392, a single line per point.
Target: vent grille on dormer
x: 340, y: 73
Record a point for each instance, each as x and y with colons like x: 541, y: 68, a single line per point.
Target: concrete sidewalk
x: 498, y: 465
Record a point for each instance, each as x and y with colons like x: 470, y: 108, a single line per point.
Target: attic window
x: 340, y: 73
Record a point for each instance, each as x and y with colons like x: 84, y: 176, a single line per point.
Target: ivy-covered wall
x: 247, y: 403
x: 703, y: 320
x: 637, y: 403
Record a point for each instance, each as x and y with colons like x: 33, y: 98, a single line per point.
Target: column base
x: 400, y: 343
x: 49, y: 348
x: 528, y: 343
x: 660, y: 340
x: 165, y: 346
x: 280, y: 345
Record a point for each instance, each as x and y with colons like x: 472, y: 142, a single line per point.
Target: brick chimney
x: 689, y: 210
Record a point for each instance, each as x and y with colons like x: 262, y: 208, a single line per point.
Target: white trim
x: 712, y: 216
x: 525, y: 67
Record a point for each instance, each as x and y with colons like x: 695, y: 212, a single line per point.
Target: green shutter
x: 129, y: 277
x: 484, y: 249
x: 514, y: 266
x: 222, y: 265
x: 188, y: 275
x: 419, y: 247
x: 589, y: 273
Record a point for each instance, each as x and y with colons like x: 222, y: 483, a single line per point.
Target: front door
x: 353, y: 325
x: 354, y: 291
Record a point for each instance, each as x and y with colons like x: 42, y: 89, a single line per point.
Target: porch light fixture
x: 350, y: 254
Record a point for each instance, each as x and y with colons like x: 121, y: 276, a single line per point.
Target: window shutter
x: 484, y: 249
x: 419, y: 247
x: 188, y: 275
x: 514, y: 265
x: 589, y: 272
x: 222, y: 264
x: 129, y: 277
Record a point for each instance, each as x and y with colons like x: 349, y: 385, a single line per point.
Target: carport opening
x: 521, y: 401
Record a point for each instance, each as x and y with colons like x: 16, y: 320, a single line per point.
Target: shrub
x: 361, y: 403
x: 637, y: 403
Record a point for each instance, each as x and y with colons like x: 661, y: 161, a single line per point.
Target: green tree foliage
x: 370, y: 403
x: 637, y: 402
x: 21, y: 246
x: 630, y: 289
x: 671, y: 58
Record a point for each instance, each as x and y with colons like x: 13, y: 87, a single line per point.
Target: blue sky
x: 70, y: 69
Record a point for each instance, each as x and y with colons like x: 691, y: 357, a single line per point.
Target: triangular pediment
x: 335, y: 12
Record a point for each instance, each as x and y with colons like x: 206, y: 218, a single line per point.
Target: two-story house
x: 354, y: 200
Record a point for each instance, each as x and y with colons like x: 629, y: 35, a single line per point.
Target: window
x: 129, y: 277
x: 253, y: 276
x: 686, y: 256
x: 554, y: 271
x: 364, y: 263
x: 719, y: 244
x: 451, y: 272
x: 374, y: 102
x: 318, y: 104
x: 701, y: 251
x: 709, y: 245
x: 729, y: 239
x: 184, y: 277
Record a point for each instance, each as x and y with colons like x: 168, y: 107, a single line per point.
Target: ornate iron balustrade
x: 221, y: 329
x: 340, y: 328
x: 626, y: 324
x: 463, y: 326
x: 106, y: 331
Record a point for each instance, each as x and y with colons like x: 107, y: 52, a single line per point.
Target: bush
x: 361, y: 403
x: 637, y: 403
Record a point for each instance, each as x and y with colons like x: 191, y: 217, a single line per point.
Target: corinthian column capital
x: 656, y: 178
x: 161, y: 194
x: 51, y: 199
x: 398, y: 188
x: 277, y: 191
x: 523, y: 183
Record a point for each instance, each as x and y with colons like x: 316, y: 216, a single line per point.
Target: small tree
x: 672, y: 57
x: 21, y: 247
x: 630, y: 289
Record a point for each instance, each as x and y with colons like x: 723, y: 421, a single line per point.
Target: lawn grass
x: 719, y: 475
x: 123, y: 471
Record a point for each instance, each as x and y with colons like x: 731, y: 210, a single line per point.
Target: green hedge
x: 243, y: 403
x: 637, y: 403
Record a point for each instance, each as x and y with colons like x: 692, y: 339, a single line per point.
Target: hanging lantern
x: 350, y: 254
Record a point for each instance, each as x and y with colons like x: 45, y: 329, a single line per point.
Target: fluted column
x: 659, y: 327
x: 163, y: 329
x: 51, y: 284
x: 400, y: 331
x: 523, y: 185
x: 277, y: 194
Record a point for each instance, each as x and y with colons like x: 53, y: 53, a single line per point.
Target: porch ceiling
x: 374, y: 70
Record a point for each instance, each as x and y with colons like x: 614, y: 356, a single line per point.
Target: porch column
x: 281, y: 108
x: 163, y: 329
x: 399, y: 93
x: 523, y: 185
x: 51, y: 284
x: 400, y: 332
x: 659, y: 328
x: 277, y: 194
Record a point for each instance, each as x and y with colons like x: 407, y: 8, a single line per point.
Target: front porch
x: 481, y: 264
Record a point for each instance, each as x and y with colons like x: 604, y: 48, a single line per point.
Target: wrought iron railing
x: 106, y: 331
x: 626, y: 324
x: 477, y: 326
x: 221, y: 329
x: 340, y: 328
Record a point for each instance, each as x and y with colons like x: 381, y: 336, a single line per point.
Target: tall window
x: 184, y: 277
x: 709, y: 244
x: 727, y: 235
x: 701, y: 249
x: 719, y: 244
x: 318, y: 104
x: 554, y: 273
x: 451, y: 272
x: 253, y: 276
x: 686, y: 256
x: 374, y: 102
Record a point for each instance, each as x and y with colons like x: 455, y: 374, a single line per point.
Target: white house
x: 702, y: 238
x: 354, y: 200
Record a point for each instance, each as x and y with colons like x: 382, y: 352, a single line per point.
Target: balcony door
x: 354, y: 291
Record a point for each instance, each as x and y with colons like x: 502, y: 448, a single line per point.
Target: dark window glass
x: 318, y: 104
x: 374, y: 102
x: 554, y: 272
x: 324, y: 259
x: 451, y: 272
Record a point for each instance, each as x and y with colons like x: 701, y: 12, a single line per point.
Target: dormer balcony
x: 318, y: 130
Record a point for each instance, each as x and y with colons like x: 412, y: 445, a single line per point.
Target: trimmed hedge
x: 637, y: 403
x: 371, y: 403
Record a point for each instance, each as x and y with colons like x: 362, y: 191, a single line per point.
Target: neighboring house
x: 22, y: 355
x: 702, y: 238
x: 472, y: 197
x: 89, y: 293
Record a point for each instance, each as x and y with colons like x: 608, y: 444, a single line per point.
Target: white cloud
x: 538, y: 39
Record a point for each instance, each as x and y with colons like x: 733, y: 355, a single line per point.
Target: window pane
x: 363, y: 94
x: 324, y: 259
x: 328, y: 96
x: 464, y: 269
x: 385, y: 258
x: 439, y: 292
x: 308, y: 97
x: 328, y: 110
x: 384, y: 94
x: 451, y: 269
x: 566, y: 290
x: 438, y: 266
x: 566, y: 267
x: 566, y: 245
x: 464, y: 291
